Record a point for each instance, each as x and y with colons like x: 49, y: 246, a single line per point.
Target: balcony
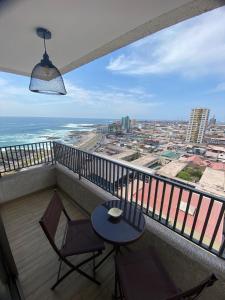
x: 185, y: 226
x: 36, y: 261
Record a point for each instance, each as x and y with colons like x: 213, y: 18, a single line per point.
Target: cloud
x: 192, y: 48
x: 9, y: 90
x: 110, y: 95
x: 219, y: 88
x: 110, y: 101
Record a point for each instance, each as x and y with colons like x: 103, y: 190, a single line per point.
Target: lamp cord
x: 44, y: 44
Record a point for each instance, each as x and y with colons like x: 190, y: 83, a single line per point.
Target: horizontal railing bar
x: 28, y: 144
x: 17, y: 157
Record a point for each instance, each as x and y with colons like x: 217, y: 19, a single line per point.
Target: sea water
x: 23, y: 130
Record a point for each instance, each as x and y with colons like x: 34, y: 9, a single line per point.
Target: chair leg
x: 69, y: 272
x: 60, y: 265
x: 61, y: 279
x: 75, y: 268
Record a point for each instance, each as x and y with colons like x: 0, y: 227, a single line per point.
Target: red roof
x: 217, y: 165
x: 197, y: 160
x: 211, y: 223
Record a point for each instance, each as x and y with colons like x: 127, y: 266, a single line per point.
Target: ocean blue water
x: 22, y: 130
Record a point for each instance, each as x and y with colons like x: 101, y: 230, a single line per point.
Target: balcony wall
x: 187, y: 263
x: 86, y: 194
x: 26, y: 181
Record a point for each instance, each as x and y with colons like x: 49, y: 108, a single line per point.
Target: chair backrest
x: 50, y: 220
x: 195, y: 292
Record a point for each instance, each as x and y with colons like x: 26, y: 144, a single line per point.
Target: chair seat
x: 80, y: 238
x: 142, y: 276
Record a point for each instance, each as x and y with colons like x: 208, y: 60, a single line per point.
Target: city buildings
x: 114, y: 128
x: 197, y: 125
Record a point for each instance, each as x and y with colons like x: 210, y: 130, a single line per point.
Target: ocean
x: 23, y: 130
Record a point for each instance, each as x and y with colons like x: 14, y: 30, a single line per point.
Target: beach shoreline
x: 70, y: 131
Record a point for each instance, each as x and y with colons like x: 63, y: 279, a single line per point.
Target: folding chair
x: 79, y: 238
x: 141, y: 275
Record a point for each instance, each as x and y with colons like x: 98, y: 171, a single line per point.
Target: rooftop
x: 145, y: 160
x: 172, y: 169
x: 170, y: 154
x: 213, y: 180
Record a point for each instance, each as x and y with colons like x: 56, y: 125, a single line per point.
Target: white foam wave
x: 74, y: 125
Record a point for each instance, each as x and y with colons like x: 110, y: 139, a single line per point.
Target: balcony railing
x: 196, y: 215
x: 17, y: 157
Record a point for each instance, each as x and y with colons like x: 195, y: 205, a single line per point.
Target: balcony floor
x: 36, y: 261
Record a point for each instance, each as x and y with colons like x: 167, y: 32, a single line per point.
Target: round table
x: 122, y: 231
x: 126, y: 229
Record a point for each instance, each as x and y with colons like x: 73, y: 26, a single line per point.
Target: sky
x: 160, y: 77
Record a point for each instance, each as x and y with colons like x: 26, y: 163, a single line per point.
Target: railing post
x: 53, y: 153
x: 79, y: 164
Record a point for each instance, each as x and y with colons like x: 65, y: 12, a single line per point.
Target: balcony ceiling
x: 83, y: 30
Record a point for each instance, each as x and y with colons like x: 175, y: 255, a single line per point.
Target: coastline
x: 25, y: 130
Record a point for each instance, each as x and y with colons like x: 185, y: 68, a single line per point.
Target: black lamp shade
x: 46, y: 78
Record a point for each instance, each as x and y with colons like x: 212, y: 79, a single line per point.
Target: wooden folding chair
x: 79, y: 238
x: 141, y: 275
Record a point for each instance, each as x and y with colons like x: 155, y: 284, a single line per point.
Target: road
x: 94, y: 143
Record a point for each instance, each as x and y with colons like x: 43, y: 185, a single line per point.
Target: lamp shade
x: 46, y: 78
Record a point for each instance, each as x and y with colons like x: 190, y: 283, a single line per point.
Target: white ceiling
x: 83, y: 30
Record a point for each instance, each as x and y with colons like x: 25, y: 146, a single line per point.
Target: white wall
x: 26, y: 181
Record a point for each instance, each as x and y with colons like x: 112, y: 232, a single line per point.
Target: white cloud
x: 8, y: 89
x: 192, y: 48
x: 110, y: 101
x: 219, y: 88
x: 110, y: 95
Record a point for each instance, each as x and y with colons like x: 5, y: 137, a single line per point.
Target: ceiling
x: 83, y: 30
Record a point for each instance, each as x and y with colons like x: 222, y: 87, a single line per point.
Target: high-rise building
x: 115, y: 128
x: 197, y: 125
x: 125, y: 123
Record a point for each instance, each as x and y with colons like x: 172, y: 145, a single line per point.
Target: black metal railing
x: 196, y: 215
x: 13, y: 158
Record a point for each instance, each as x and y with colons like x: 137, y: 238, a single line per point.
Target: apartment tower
x: 197, y: 125
x: 126, y: 124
